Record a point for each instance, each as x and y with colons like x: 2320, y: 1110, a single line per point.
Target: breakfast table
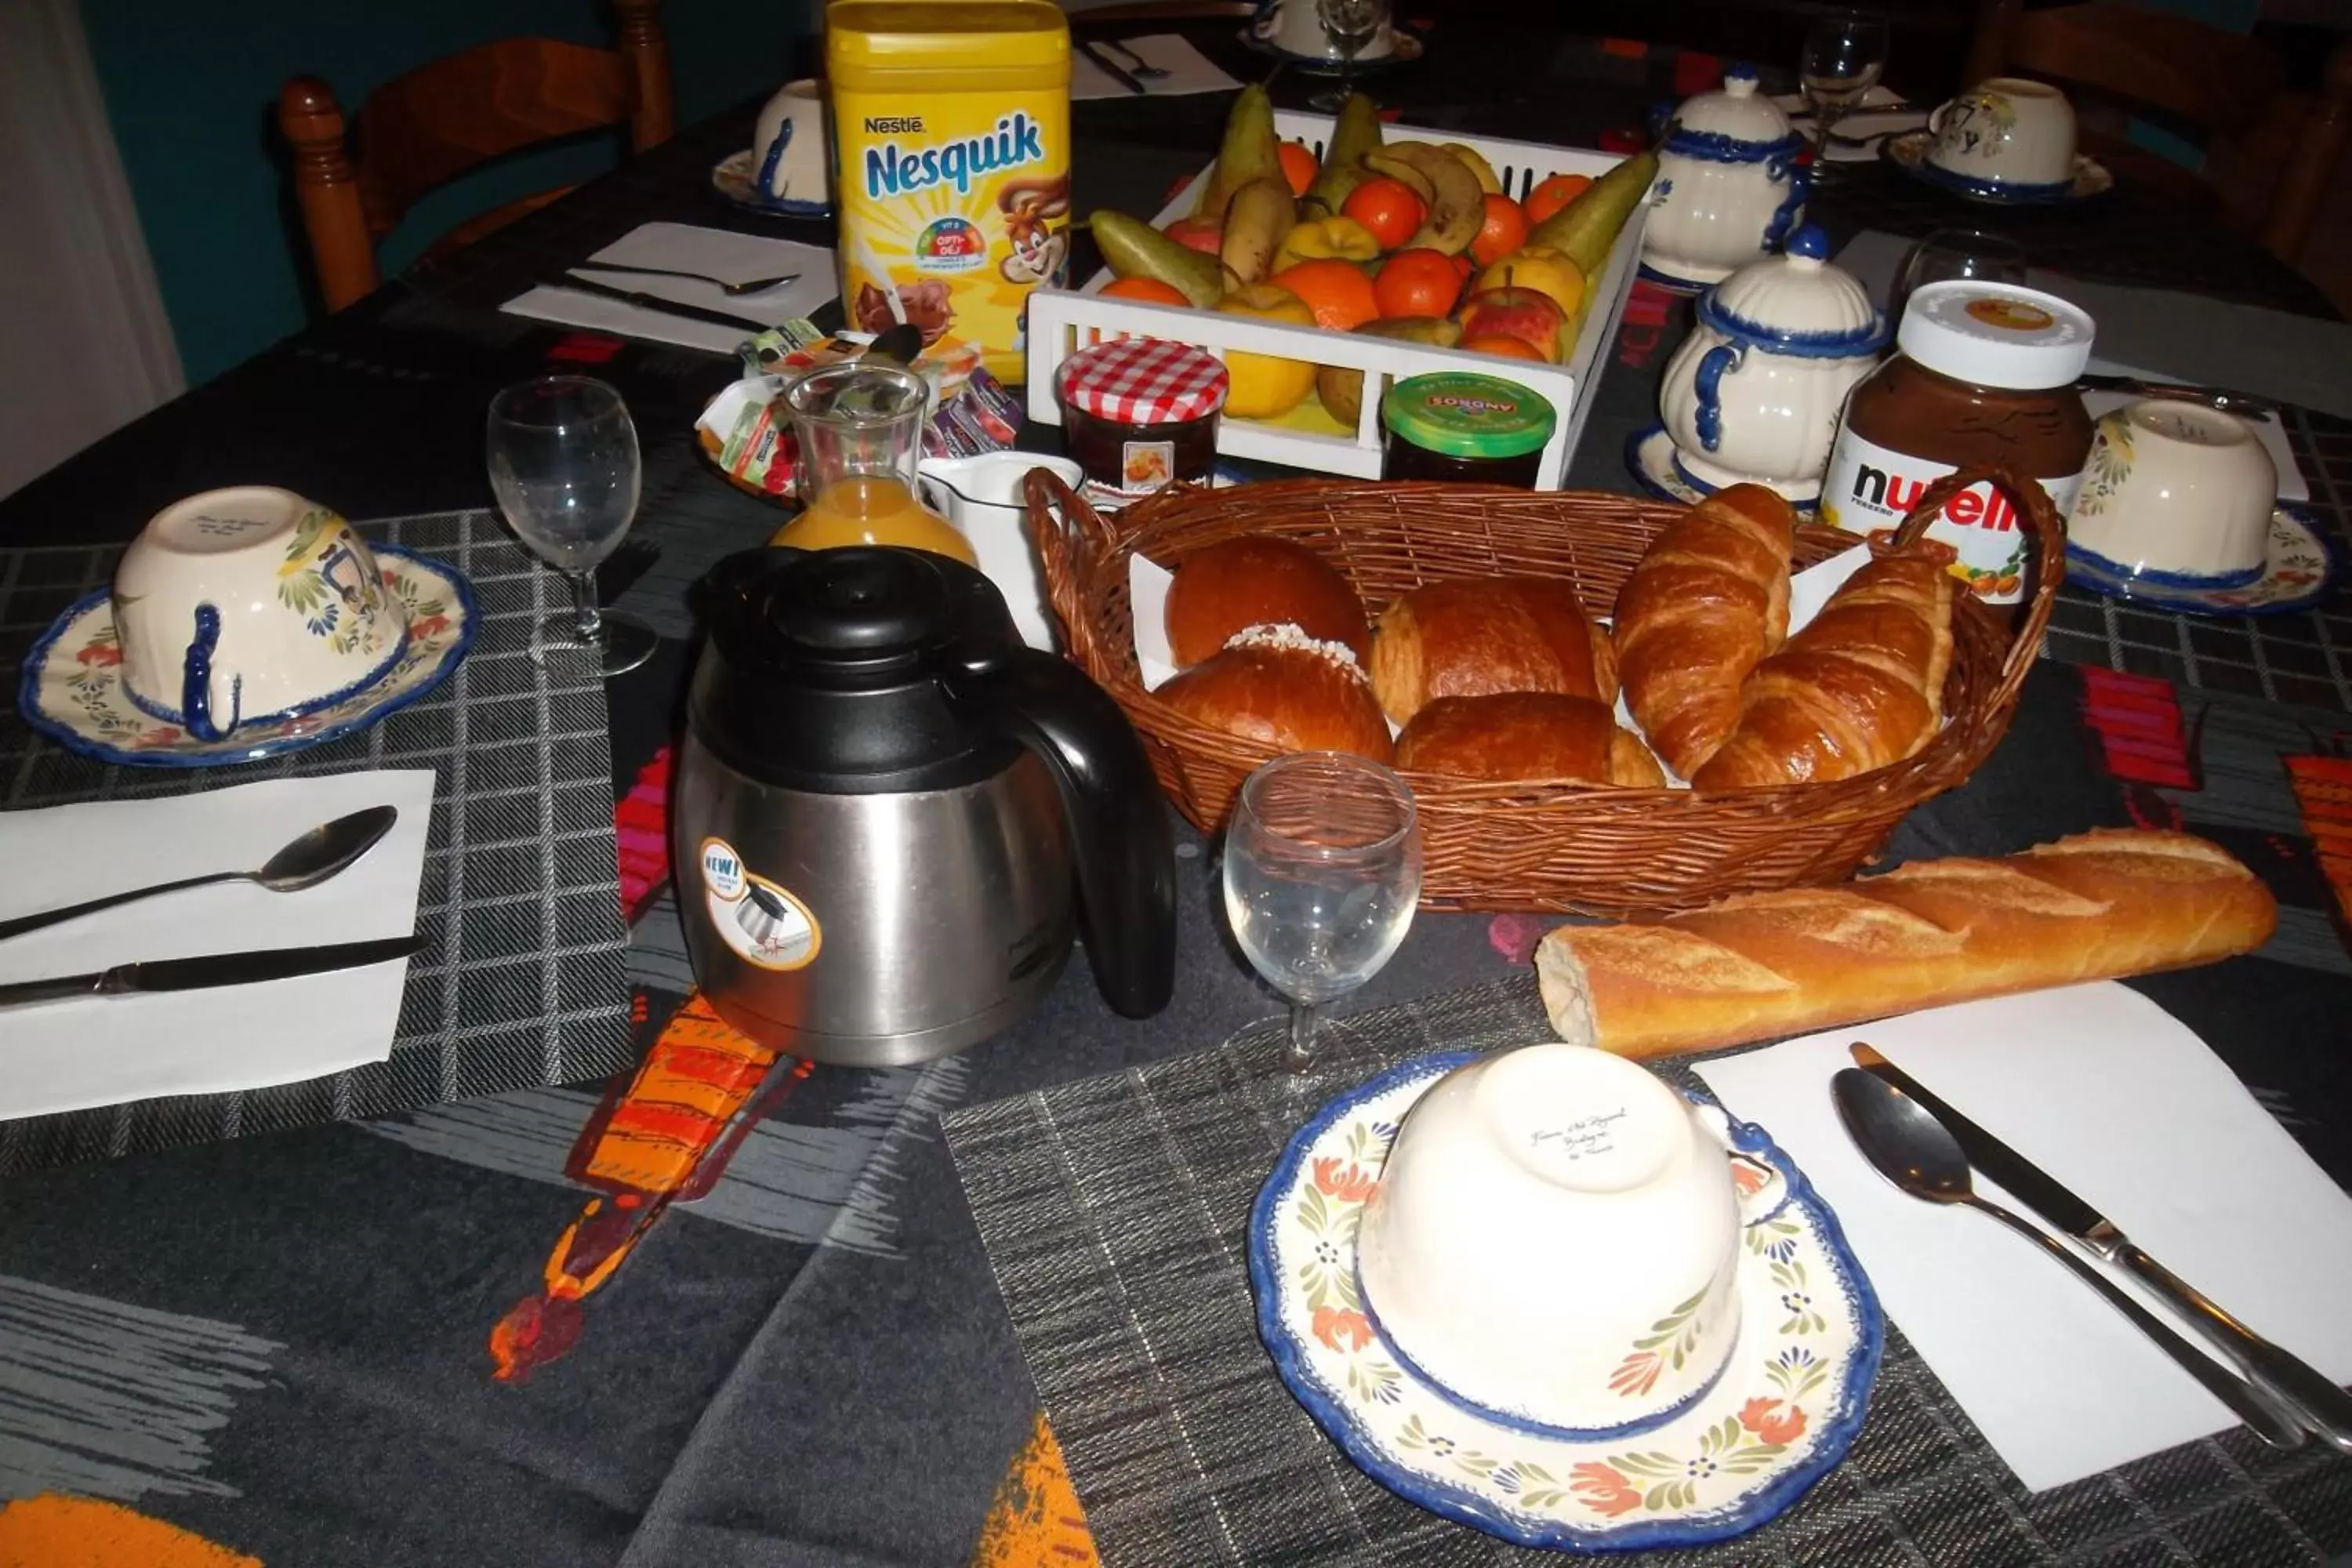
x: 472, y: 1331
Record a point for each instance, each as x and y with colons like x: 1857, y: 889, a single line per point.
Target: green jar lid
x: 1457, y: 414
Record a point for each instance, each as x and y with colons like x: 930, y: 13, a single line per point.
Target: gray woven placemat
x: 1114, y: 1213
x: 522, y: 982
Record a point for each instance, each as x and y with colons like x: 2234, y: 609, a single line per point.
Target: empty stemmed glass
x: 564, y: 467
x: 1351, y: 26
x: 1844, y: 57
x: 1949, y: 252
x: 1322, y: 872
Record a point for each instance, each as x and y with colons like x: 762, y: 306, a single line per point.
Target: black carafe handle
x: 1120, y: 836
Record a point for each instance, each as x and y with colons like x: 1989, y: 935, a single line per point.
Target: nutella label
x: 1869, y: 488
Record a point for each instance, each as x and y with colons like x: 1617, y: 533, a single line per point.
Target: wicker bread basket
x: 1562, y: 848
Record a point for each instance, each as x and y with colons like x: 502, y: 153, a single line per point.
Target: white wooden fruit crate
x: 1062, y: 321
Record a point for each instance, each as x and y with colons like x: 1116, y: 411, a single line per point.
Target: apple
x: 1198, y: 233
x: 1539, y: 267
x: 1529, y: 315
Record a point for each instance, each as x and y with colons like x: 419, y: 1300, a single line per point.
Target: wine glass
x: 564, y: 465
x: 1949, y: 252
x: 1350, y: 25
x: 1844, y: 57
x: 1322, y: 872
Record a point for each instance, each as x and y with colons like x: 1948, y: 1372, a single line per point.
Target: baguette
x: 2093, y: 907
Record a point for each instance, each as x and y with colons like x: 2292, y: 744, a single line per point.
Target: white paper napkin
x: 66, y: 1056
x: 737, y: 258
x: 1189, y: 71
x: 2118, y: 1100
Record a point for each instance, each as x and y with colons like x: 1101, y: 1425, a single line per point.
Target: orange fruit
x: 1150, y: 290
x: 1505, y: 230
x: 1337, y: 292
x: 1502, y: 345
x: 1298, y: 166
x: 1553, y: 194
x: 1462, y: 265
x: 1417, y: 282
x: 1388, y: 207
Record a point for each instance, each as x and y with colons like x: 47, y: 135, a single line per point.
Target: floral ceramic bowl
x: 1786, y: 1406
x: 72, y: 688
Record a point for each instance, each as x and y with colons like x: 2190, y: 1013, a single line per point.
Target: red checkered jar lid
x: 1144, y: 381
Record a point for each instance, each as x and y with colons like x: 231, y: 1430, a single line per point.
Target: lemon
x: 1265, y: 387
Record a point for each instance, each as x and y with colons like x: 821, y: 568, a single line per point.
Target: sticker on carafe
x: 759, y: 920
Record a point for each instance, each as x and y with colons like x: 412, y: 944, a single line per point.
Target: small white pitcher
x: 982, y: 496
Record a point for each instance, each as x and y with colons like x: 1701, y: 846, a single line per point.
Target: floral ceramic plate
x: 2296, y: 577
x: 1650, y: 458
x: 1909, y: 153
x: 72, y: 686
x: 1781, y: 1415
x: 737, y: 177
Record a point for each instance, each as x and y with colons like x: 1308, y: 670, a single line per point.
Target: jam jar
x: 1141, y: 412
x: 1983, y: 373
x: 1472, y: 429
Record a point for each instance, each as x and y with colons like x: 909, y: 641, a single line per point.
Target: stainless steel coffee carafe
x: 888, y: 815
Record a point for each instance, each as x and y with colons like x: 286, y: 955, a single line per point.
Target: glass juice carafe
x: 860, y: 429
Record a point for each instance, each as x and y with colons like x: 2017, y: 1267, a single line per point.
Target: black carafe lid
x: 823, y: 669
x: 877, y: 671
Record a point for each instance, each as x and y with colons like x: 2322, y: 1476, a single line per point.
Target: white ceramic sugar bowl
x: 1754, y: 394
x: 1729, y: 186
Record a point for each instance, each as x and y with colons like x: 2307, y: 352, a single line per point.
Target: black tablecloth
x: 392, y: 1342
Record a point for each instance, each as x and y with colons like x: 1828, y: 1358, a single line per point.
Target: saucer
x: 1909, y: 153
x: 736, y: 178
x: 2302, y: 564
x: 72, y: 687
x: 1403, y: 50
x: 1674, y: 283
x: 1650, y: 458
x: 1781, y: 1414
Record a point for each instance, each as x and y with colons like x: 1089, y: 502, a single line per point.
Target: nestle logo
x: 894, y: 125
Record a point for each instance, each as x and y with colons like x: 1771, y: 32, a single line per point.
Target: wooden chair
x: 439, y: 120
x: 2223, y: 83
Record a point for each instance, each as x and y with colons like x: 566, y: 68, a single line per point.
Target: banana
x: 1260, y: 214
x: 1458, y: 208
x: 1250, y: 151
x: 1342, y: 391
x: 1390, y: 162
x: 1133, y: 249
x: 1355, y: 133
x: 1476, y: 161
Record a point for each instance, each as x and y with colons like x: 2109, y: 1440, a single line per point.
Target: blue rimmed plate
x: 1650, y: 459
x: 71, y: 690
x: 737, y: 177
x: 1909, y: 153
x: 1783, y: 1412
x: 2296, y: 575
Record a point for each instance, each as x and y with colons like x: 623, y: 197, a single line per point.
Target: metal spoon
x: 1911, y: 1149
x: 733, y: 291
x: 307, y: 861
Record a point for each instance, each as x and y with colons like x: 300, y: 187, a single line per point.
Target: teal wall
x: 191, y: 91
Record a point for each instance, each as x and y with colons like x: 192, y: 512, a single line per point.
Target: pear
x: 1133, y: 249
x: 1342, y: 391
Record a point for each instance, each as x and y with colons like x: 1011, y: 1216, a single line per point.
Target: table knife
x: 1124, y: 79
x: 655, y: 303
x: 214, y: 969
x: 2324, y: 1409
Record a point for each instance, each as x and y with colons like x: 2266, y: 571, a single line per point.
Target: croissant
x: 1861, y: 687
x: 1708, y: 601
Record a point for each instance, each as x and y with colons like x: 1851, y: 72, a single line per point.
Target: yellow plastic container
x: 951, y: 131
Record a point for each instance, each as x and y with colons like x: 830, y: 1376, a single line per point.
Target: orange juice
x: 873, y: 509
x: 951, y: 136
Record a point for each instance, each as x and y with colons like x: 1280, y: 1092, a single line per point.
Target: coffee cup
x: 248, y: 606
x: 1554, y: 1241
x: 1294, y: 27
x: 2175, y: 495
x: 792, y: 156
x: 2006, y: 131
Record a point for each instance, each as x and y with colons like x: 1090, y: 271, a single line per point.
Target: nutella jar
x: 1983, y: 373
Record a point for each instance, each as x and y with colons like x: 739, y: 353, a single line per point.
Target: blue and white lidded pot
x: 1754, y: 394
x: 1730, y: 187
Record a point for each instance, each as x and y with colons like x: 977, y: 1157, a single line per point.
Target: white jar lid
x: 1996, y: 334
